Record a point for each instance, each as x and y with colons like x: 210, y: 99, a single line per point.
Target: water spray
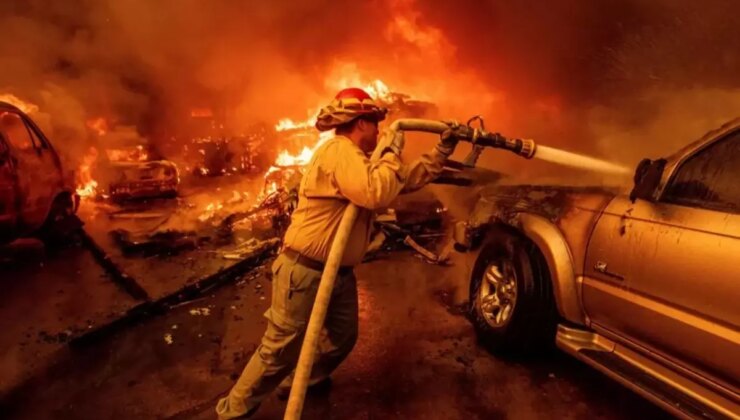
x: 527, y: 148
x: 479, y: 138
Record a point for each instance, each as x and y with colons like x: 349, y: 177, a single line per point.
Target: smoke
x: 146, y: 63
x: 619, y: 79
x: 588, y: 76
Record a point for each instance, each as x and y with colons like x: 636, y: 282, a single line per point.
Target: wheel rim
x: 497, y: 293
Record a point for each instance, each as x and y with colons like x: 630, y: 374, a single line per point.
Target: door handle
x: 602, y: 267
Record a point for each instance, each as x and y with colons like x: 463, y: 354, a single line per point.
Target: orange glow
x: 406, y: 27
x: 201, y: 113
x: 136, y: 154
x: 98, y: 125
x: 288, y: 124
x: 210, y: 210
x: 24, y: 106
x: 88, y: 189
x: 377, y: 89
x: 286, y: 159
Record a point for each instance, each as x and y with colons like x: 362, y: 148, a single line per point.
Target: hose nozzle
x: 529, y: 148
x: 525, y: 148
x: 477, y: 136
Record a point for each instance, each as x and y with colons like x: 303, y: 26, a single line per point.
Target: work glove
x: 447, y: 142
x: 392, y: 142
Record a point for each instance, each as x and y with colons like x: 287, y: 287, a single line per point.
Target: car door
x: 36, y: 169
x: 665, y: 275
x: 8, y: 196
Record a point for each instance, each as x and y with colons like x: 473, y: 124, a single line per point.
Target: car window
x: 710, y: 179
x: 37, y: 140
x: 16, y: 132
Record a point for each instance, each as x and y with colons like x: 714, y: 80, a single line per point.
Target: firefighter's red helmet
x: 348, y: 104
x: 353, y: 93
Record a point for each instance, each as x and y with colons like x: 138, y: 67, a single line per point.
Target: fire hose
x: 480, y: 139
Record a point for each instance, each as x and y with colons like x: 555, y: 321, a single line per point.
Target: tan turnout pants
x: 294, y: 289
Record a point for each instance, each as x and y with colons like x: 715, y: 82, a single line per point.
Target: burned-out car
x: 131, y: 168
x: 37, y: 195
x: 644, y: 286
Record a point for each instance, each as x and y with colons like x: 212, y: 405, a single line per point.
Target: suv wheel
x: 511, y: 301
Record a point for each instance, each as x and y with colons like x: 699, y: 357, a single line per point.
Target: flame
x: 86, y: 185
x: 89, y: 189
x: 98, y: 125
x: 136, y: 154
x: 286, y: 159
x: 289, y: 124
x: 210, y: 210
x: 24, y: 106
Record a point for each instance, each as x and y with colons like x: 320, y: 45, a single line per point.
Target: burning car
x: 643, y: 287
x: 37, y: 196
x: 211, y: 147
x: 131, y: 168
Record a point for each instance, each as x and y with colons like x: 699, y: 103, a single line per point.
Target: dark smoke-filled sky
x: 603, y: 77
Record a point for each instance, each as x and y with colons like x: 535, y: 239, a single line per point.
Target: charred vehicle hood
x: 572, y: 210
x: 138, y: 171
x: 553, y: 202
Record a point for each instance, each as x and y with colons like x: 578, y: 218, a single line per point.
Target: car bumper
x: 143, y: 189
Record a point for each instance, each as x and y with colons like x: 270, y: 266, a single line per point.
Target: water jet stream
x: 575, y: 160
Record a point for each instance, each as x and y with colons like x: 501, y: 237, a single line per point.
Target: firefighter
x: 338, y: 174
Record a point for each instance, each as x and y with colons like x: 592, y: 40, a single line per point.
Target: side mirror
x: 647, y: 178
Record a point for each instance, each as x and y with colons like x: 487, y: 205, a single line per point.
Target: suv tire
x: 511, y: 301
